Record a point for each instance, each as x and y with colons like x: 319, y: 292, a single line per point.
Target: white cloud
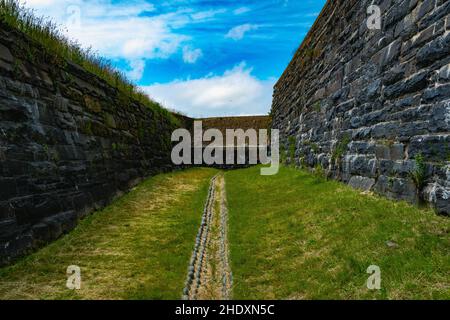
x: 121, y: 30
x: 203, y: 15
x: 137, y: 70
x: 241, y: 10
x: 90, y: 8
x: 236, y: 92
x: 191, y: 55
x: 117, y: 31
x: 238, y: 33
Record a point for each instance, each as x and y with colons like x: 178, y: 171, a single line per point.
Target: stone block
x: 441, y: 92
x: 439, y: 196
x: 396, y: 13
x: 397, y: 188
x: 16, y: 247
x: 386, y: 130
x: 425, y: 8
x: 435, y: 50
x: 405, y: 189
x: 54, y: 226
x: 444, y: 73
x: 388, y: 54
x: 82, y: 203
x: 395, y: 74
x: 13, y: 111
x: 362, y: 183
x: 383, y: 152
x: 433, y: 147
x: 8, y: 188
x: 41, y: 233
x: 44, y: 206
x: 6, y: 66
x: 386, y: 167
x: 5, y: 54
x: 92, y: 104
x: 403, y: 168
x: 414, y: 83
x: 423, y: 36
x: 397, y: 152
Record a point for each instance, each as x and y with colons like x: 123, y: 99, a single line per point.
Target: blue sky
x: 201, y: 57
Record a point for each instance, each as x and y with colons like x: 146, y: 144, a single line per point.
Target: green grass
x: 296, y: 236
x: 61, y: 49
x: 137, y: 248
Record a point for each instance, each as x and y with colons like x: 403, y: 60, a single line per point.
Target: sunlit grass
x: 137, y: 248
x: 297, y: 236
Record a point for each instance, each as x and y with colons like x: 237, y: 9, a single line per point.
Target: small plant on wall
x: 339, y: 152
x: 341, y: 148
x: 418, y: 174
x: 313, y: 146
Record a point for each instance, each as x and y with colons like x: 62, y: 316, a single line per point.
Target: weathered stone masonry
x: 69, y: 143
x: 367, y: 105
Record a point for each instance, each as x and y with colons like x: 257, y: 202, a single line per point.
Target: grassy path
x: 292, y: 236
x: 137, y: 248
x: 296, y: 236
x: 209, y: 275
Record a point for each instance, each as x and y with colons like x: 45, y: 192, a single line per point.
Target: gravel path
x: 209, y: 273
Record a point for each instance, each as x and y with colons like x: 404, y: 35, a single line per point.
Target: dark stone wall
x: 69, y: 144
x: 368, y: 105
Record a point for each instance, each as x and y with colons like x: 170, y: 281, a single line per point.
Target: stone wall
x: 372, y: 107
x: 69, y: 144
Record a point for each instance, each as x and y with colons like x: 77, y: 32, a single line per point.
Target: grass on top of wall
x: 49, y: 36
x: 137, y: 248
x: 297, y: 236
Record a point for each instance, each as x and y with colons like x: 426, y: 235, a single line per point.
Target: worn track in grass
x: 209, y: 274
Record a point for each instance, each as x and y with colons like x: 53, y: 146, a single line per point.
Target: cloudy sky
x: 200, y: 57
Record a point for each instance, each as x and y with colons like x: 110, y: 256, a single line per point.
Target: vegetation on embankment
x: 60, y: 49
x: 298, y: 236
x: 243, y: 122
x: 137, y: 248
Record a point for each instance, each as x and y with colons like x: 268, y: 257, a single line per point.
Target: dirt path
x: 209, y: 274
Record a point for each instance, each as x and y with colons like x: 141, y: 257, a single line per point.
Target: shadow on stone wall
x: 69, y: 144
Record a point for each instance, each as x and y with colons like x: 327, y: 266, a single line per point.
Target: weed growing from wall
x: 341, y: 148
x: 313, y: 146
x: 418, y: 174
